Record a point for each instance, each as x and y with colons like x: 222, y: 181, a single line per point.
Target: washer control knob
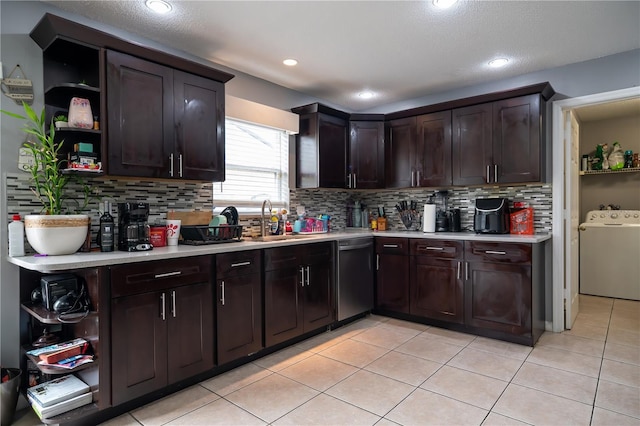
x: 627, y: 215
x: 593, y: 216
x: 614, y: 215
x: 636, y: 215
x: 602, y: 215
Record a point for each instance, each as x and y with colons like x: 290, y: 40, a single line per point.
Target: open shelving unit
x: 609, y: 172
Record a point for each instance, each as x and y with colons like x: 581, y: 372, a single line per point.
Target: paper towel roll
x: 429, y: 218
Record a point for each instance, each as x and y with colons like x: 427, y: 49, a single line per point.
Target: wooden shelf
x: 59, y: 371
x: 44, y: 315
x: 610, y: 172
x: 60, y: 95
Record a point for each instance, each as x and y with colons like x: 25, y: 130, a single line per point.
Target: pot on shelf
x: 56, y: 234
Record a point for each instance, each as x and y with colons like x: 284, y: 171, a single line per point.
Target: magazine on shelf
x: 54, y: 353
x: 61, y: 407
x: 68, y: 363
x: 57, y: 390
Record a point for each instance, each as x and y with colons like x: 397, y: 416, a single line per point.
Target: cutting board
x: 191, y: 218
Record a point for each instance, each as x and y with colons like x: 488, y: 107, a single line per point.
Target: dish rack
x: 205, y: 234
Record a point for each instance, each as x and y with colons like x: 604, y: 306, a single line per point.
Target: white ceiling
x: 398, y: 49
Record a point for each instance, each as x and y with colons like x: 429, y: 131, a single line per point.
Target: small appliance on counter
x: 491, y: 216
x: 133, y: 227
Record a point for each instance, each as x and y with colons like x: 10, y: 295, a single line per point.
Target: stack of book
x: 42, y: 362
x: 58, y: 396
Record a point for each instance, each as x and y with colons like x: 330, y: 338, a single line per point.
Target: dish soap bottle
x: 275, y: 222
x: 16, y: 237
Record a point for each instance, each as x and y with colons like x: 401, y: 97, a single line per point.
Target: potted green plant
x: 60, y: 121
x: 57, y: 231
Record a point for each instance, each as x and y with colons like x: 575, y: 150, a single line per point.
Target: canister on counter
x: 585, y: 162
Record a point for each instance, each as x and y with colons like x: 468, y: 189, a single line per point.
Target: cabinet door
x: 392, y: 283
x: 319, y: 305
x: 472, y: 145
x: 498, y: 297
x: 366, y: 159
x: 199, y: 123
x: 516, y: 139
x: 401, y: 136
x: 437, y: 289
x: 190, y: 330
x: 140, y: 116
x: 433, y: 149
x: 283, y: 314
x: 239, y: 316
x: 321, y: 151
x: 139, y: 345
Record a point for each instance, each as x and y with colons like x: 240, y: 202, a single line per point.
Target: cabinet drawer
x: 282, y: 257
x: 238, y: 263
x: 498, y: 252
x: 388, y: 245
x: 437, y: 248
x: 159, y: 275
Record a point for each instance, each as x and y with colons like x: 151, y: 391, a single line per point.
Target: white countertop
x: 93, y: 259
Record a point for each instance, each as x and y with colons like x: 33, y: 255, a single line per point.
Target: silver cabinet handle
x: 458, y: 273
x: 302, y: 276
x: 167, y: 274
x: 412, y: 178
x: 435, y: 248
x: 171, y: 165
x: 495, y: 252
x: 307, y: 276
x: 349, y: 180
x: 390, y: 245
x: 418, y: 178
x: 162, y: 297
x: 235, y: 265
x: 495, y: 173
x: 180, y: 161
x: 222, y: 292
x: 173, y: 303
x: 377, y: 262
x: 488, y: 172
x: 355, y: 182
x: 466, y: 271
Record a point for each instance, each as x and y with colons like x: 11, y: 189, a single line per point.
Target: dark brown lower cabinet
x: 164, y: 335
x: 239, y: 304
x: 299, y: 290
x: 436, y: 281
x: 392, y: 275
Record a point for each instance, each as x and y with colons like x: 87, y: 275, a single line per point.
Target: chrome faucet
x: 262, y: 224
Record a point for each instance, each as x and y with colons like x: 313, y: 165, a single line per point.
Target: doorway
x: 565, y: 201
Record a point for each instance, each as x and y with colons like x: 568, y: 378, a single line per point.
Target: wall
x: 617, y: 189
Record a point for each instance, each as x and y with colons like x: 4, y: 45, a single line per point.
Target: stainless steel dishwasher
x: 355, y: 277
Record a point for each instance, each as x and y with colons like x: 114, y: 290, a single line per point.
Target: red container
x: 158, y: 236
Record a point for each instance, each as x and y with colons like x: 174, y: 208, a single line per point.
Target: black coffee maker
x: 133, y: 227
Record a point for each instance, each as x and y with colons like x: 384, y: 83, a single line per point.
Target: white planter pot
x: 56, y: 234
x: 61, y: 124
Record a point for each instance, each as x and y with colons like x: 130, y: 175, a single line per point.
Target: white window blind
x: 257, y: 168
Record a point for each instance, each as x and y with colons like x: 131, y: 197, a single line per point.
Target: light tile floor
x: 385, y: 372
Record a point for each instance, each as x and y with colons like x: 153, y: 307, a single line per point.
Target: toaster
x: 491, y: 216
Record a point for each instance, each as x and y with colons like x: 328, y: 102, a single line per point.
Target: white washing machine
x: 610, y: 254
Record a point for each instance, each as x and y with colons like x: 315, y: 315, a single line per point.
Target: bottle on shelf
x: 107, y: 229
x: 16, y: 237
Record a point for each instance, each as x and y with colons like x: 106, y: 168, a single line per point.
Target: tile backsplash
x: 164, y: 196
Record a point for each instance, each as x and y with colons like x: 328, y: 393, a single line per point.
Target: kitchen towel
x: 429, y: 218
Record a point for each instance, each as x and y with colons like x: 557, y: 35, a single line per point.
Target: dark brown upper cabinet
x: 498, y: 142
x: 160, y: 115
x: 432, y: 156
x: 401, y: 136
x: 366, y: 155
x: 321, y: 147
x: 163, y: 123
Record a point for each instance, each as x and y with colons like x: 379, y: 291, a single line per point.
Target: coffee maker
x: 133, y: 227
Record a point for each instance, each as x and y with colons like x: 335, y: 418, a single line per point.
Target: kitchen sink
x: 279, y: 237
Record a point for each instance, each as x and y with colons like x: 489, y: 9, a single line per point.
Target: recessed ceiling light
x: 367, y: 94
x: 158, y: 6
x: 444, y: 4
x: 499, y: 62
x: 290, y: 62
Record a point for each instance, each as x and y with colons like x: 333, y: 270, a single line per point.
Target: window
x: 257, y: 168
